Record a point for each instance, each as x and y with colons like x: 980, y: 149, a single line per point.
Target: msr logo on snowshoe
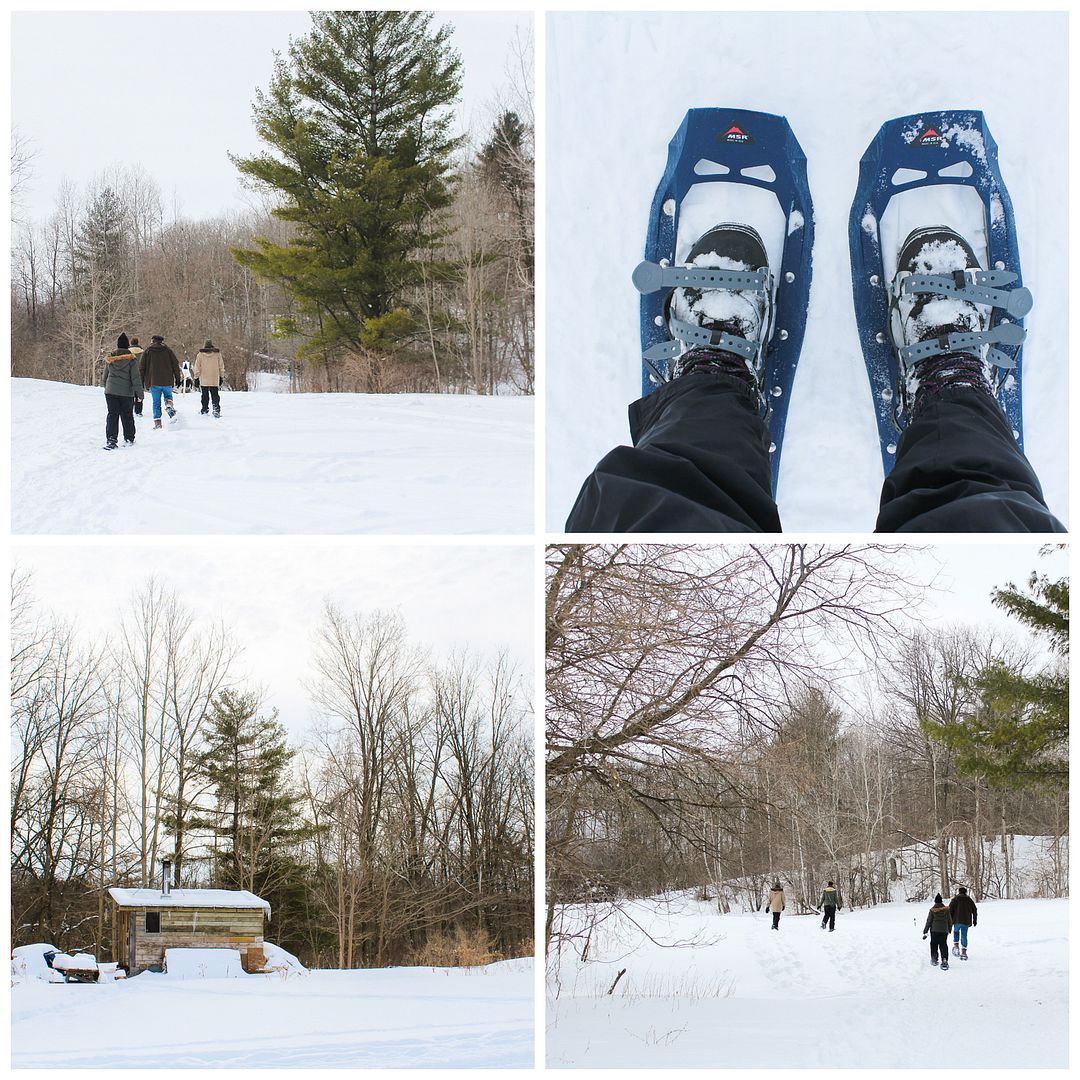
x: 930, y: 136
x: 735, y: 134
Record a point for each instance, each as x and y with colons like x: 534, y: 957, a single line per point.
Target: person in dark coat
x: 830, y: 901
x: 123, y: 387
x: 160, y: 371
x: 963, y: 914
x: 937, y: 926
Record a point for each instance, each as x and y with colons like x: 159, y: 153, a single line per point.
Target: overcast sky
x: 272, y: 595
x: 174, y: 91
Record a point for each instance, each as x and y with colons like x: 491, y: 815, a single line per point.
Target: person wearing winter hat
x: 937, y: 926
x: 123, y: 386
x: 776, y: 903
x: 963, y: 914
x: 830, y: 901
x: 160, y: 370
x: 210, y: 371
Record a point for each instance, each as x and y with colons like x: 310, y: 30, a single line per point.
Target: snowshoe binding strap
x: 973, y: 285
x: 650, y: 277
x: 691, y: 334
x: 1002, y: 334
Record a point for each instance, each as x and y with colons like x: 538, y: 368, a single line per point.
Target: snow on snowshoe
x: 934, y: 176
x: 944, y: 965
x: 699, y: 285
x: 956, y: 950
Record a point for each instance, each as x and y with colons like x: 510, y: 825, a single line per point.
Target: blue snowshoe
x: 729, y: 268
x: 950, y: 290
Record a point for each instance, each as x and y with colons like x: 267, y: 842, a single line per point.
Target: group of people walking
x: 830, y: 901
x: 958, y: 916
x: 131, y: 370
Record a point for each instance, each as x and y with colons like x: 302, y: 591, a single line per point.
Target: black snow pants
x: 830, y: 917
x: 120, y: 408
x: 207, y: 393
x: 939, y: 942
x: 776, y: 920
x: 700, y: 463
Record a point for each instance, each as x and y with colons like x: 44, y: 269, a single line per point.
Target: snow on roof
x: 189, y: 898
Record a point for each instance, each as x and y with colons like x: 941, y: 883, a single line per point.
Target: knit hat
x: 122, y: 341
x: 937, y: 898
x: 830, y: 885
x: 776, y: 884
x: 209, y: 344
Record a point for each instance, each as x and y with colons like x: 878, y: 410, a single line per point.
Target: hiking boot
x: 157, y: 423
x: 919, y: 317
x: 110, y: 444
x: 742, y: 314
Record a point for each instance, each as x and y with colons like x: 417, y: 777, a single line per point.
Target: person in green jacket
x: 830, y: 901
x: 938, y: 925
x: 123, y: 387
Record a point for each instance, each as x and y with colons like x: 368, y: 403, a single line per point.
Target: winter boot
x: 738, y: 320
x: 931, y: 317
x: 110, y: 444
x: 934, y: 961
x: 204, y: 412
x: 963, y: 954
x: 944, y: 965
x: 157, y: 423
x: 217, y: 411
x: 831, y: 929
x: 956, y: 948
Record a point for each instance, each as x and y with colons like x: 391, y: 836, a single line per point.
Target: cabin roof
x: 188, y: 898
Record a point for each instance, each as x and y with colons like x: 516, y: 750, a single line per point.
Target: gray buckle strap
x: 650, y: 277
x: 697, y: 335
x: 975, y: 286
x: 1002, y: 334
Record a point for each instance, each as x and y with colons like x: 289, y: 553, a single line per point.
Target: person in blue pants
x: 964, y: 915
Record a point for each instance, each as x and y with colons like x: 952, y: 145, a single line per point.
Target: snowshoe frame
x: 738, y: 140
x: 929, y: 144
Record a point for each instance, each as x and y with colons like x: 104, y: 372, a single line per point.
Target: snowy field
x: 274, y: 463
x: 837, y: 78
x: 864, y: 996
x: 389, y: 1018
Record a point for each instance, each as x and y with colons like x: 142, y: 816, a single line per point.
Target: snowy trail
x: 396, y: 1018
x: 864, y: 996
x: 837, y: 77
x: 274, y: 463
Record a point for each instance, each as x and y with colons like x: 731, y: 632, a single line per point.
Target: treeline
x: 695, y: 739
x: 393, y: 258
x: 400, y: 832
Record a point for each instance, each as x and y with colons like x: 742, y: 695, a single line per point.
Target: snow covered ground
x: 274, y: 463
x: 390, y: 1018
x: 837, y: 77
x: 864, y: 996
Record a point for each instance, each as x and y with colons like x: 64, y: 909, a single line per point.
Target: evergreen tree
x: 506, y: 161
x: 1018, y: 736
x: 358, y: 126
x: 256, y: 820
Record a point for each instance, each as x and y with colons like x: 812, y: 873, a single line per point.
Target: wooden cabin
x: 149, y: 921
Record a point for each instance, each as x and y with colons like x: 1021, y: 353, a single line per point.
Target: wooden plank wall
x: 190, y: 928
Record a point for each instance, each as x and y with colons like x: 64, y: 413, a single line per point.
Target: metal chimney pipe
x: 166, y: 865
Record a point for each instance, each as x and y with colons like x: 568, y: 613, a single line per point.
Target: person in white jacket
x: 210, y: 371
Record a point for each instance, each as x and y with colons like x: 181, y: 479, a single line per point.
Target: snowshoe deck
x: 737, y: 146
x: 949, y: 147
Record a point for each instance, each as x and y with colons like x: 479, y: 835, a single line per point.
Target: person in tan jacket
x: 210, y: 371
x: 776, y: 903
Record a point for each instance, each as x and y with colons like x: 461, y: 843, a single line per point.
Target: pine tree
x: 358, y: 126
x: 1018, y: 736
x: 256, y: 819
